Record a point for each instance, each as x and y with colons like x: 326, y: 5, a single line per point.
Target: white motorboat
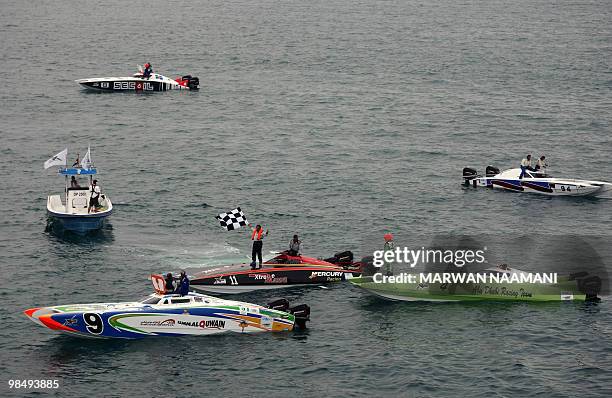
x: 536, y: 182
x: 78, y: 213
x: 139, y: 83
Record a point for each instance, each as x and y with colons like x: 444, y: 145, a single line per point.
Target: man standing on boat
x: 95, y: 196
x: 525, y: 165
x: 294, y: 246
x: 183, y: 287
x: 257, y: 238
x: 389, y: 246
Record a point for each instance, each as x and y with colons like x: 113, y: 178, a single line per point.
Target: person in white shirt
x: 525, y: 165
x: 95, y: 196
x: 541, y: 164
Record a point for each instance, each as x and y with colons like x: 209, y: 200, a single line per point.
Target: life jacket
x: 258, y: 233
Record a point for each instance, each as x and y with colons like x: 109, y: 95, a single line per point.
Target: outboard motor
x: 491, y: 171
x: 343, y: 258
x: 469, y: 174
x: 302, y: 315
x: 279, y: 305
x: 590, y: 286
x: 192, y: 82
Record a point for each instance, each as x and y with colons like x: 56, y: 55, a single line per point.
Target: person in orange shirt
x: 257, y: 238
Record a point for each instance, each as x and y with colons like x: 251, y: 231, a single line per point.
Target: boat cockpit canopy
x: 77, y: 171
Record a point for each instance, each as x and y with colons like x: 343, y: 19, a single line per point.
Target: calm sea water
x: 337, y: 120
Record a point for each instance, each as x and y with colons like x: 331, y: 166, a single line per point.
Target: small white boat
x: 78, y: 213
x: 536, y: 182
x: 139, y: 83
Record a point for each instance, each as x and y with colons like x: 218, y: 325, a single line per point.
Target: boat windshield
x: 150, y: 300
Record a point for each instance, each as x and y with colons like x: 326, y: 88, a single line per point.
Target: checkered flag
x: 233, y: 219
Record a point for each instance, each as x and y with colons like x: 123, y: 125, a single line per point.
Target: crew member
x: 389, y: 246
x: 257, y: 238
x: 169, y: 283
x: 541, y: 164
x: 95, y: 196
x: 183, y: 287
x: 74, y: 183
x: 294, y: 246
x: 525, y: 165
x: 148, y: 71
x: 77, y: 162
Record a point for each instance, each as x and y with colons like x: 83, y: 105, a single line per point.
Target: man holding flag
x: 235, y: 219
x: 257, y: 238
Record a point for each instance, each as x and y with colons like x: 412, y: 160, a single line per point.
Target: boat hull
x: 565, y: 290
x: 81, y: 224
x: 155, y: 83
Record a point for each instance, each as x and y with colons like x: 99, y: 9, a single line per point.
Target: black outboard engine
x: 192, y: 82
x: 279, y: 305
x: 590, y: 285
x: 491, y: 171
x: 469, y: 174
x: 302, y: 315
x: 343, y: 259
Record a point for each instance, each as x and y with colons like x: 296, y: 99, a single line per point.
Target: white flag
x: 57, y: 160
x: 86, y: 162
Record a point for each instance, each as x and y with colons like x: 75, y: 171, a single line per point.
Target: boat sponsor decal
x: 503, y: 291
x: 266, y: 321
x: 71, y: 321
x: 220, y: 281
x: 567, y: 296
x: 165, y: 323
x: 205, y: 324
x: 269, y: 278
x: 145, y: 86
x: 328, y: 274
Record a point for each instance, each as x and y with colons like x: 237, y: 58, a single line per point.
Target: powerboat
x: 281, y: 271
x: 75, y: 213
x: 160, y: 314
x: 139, y: 83
x: 574, y: 287
x: 535, y: 181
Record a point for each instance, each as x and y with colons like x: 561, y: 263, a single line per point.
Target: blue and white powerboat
x: 170, y: 314
x: 78, y: 213
x: 539, y: 182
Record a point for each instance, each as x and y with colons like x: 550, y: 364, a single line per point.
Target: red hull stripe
x: 30, y: 311
x: 52, y: 324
